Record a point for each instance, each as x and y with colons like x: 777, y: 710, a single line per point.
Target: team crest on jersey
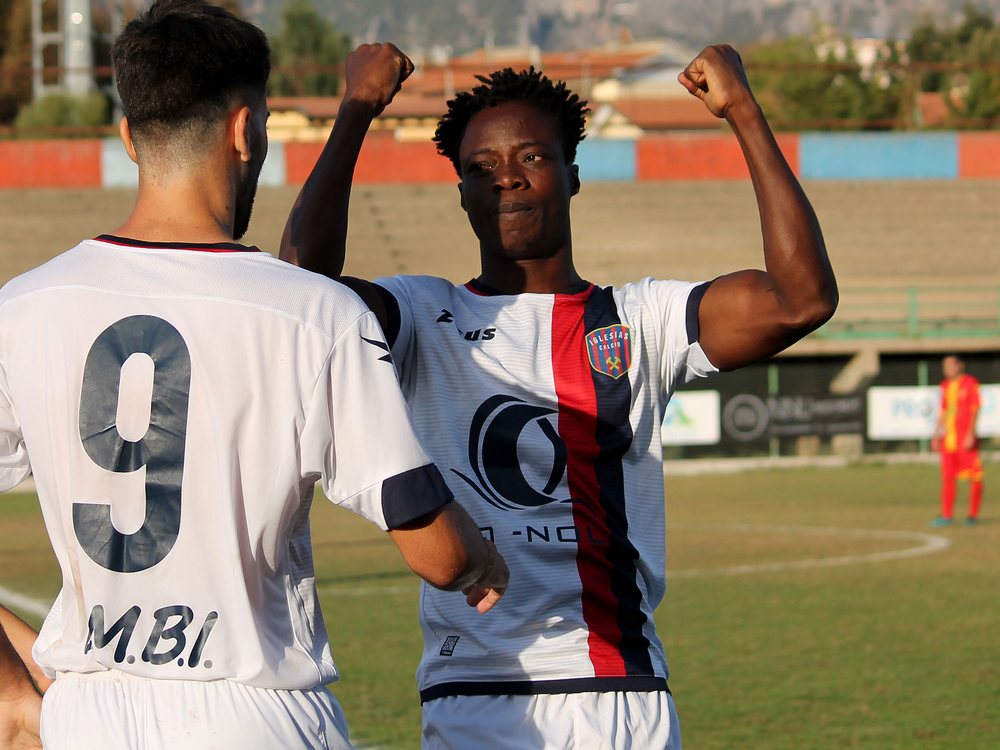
x: 610, y: 350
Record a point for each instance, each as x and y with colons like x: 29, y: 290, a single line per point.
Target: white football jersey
x: 176, y: 405
x: 543, y: 412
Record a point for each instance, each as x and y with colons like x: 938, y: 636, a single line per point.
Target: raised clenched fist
x: 375, y: 73
x: 716, y: 76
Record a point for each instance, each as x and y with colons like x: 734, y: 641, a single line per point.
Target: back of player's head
x: 503, y: 86
x: 183, y: 64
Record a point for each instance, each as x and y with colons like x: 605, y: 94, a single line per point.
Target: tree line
x: 818, y: 82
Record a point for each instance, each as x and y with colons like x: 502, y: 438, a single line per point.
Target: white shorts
x: 564, y: 721
x: 116, y: 711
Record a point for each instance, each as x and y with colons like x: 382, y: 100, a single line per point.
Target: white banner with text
x: 692, y: 418
x: 910, y: 412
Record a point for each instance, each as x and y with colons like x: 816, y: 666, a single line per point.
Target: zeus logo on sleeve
x: 173, y: 635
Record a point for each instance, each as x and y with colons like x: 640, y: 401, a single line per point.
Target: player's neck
x: 555, y: 275
x: 183, y: 207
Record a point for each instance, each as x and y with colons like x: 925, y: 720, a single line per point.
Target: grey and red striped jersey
x: 543, y: 412
x: 176, y: 404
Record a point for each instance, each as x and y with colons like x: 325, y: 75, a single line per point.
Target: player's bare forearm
x: 795, y: 254
x: 315, y: 235
x: 749, y: 315
x: 22, y: 637
x: 448, y: 551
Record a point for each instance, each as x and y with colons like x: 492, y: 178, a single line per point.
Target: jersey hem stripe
x: 632, y: 683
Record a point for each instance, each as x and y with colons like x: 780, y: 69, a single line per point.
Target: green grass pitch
x: 799, y: 613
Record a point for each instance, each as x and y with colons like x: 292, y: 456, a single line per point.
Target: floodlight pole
x: 40, y: 39
x: 78, y: 47
x: 74, y: 38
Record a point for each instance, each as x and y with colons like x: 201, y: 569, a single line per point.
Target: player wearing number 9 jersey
x: 176, y: 396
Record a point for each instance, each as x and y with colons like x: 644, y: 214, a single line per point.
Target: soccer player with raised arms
x: 541, y: 394
x: 176, y: 396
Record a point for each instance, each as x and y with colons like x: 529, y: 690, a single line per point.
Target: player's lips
x: 512, y: 208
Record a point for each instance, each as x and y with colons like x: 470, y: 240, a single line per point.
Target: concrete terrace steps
x: 888, y: 235
x: 916, y: 232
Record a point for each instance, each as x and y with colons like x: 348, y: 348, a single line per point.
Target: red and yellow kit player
x: 955, y: 437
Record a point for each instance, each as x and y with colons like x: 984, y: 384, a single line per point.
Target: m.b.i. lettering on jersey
x: 169, y: 635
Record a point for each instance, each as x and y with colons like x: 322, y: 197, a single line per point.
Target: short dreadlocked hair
x: 528, y: 87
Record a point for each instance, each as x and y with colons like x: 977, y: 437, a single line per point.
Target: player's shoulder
x: 416, y: 282
x: 313, y: 297
x: 651, y: 290
x: 411, y: 288
x: 46, y: 274
x: 650, y: 283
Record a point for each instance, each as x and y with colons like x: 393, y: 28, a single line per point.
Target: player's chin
x: 520, y: 247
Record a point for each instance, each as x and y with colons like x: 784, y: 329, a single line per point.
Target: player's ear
x: 125, y: 133
x: 241, y: 132
x: 574, y: 179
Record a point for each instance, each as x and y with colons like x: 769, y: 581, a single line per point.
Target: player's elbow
x: 449, y: 575
x: 453, y: 568
x: 436, y: 550
x: 813, y: 312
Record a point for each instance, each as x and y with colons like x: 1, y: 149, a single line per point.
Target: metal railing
x: 916, y: 312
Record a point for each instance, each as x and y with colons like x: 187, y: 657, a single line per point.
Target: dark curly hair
x: 503, y: 86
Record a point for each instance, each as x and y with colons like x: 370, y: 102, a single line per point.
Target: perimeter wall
x: 677, y: 156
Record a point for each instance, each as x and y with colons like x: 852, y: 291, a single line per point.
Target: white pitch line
x: 14, y: 600
x: 928, y: 544
x: 342, y: 590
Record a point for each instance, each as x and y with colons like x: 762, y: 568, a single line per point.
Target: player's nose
x: 508, y: 175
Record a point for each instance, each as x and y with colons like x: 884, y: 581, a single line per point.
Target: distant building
x: 310, y: 118
x: 632, y: 89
